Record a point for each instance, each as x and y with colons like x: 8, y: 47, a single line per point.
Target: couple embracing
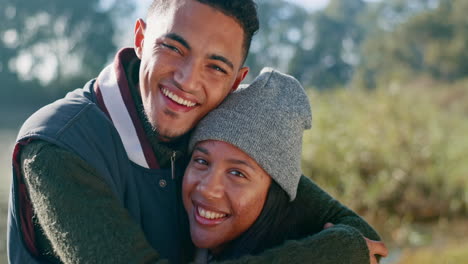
x: 163, y: 157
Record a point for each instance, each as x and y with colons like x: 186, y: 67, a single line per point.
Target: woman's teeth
x: 177, y: 99
x: 210, y: 214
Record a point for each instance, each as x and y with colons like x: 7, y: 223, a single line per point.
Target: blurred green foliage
x: 451, y: 253
x: 426, y: 38
x: 48, y: 47
x: 363, y: 43
x: 336, y: 33
x: 280, y: 35
x: 394, y: 154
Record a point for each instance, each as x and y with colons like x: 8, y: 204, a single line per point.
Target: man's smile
x: 177, y: 99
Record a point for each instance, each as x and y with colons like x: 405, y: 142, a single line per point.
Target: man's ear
x: 139, y: 32
x: 240, y: 77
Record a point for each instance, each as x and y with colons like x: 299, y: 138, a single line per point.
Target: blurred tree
x: 280, y: 34
x: 49, y: 46
x: 431, y: 41
x: 330, y: 49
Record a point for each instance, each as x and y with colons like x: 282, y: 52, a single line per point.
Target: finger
x: 380, y: 249
x: 376, y: 247
x: 328, y: 225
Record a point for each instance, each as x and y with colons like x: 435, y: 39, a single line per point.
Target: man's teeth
x: 177, y: 99
x: 209, y: 214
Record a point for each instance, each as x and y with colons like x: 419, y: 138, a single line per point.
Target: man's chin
x: 169, y: 134
x: 168, y: 138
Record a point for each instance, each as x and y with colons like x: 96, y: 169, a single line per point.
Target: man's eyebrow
x: 221, y: 58
x: 178, y: 38
x: 183, y: 42
x: 242, y: 162
x: 202, y: 150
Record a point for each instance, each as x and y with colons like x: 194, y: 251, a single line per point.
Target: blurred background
x: 388, y: 82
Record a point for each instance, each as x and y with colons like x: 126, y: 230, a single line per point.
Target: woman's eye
x: 237, y: 173
x: 201, y: 161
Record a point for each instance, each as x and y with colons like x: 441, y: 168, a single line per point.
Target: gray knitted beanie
x: 266, y: 121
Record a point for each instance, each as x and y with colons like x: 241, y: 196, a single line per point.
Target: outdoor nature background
x: 388, y: 82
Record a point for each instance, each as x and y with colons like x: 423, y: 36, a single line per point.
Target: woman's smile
x: 207, y: 216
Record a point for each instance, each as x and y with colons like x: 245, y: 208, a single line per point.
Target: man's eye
x: 237, y: 173
x: 217, y: 68
x: 171, y: 47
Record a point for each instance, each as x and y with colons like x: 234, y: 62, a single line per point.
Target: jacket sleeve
x: 79, y: 215
x: 337, y: 245
x: 343, y: 243
x: 316, y: 208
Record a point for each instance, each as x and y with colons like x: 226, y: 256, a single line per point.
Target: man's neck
x: 162, y: 147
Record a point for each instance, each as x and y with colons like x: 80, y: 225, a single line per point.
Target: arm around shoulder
x: 318, y: 208
x: 337, y: 245
x: 345, y: 242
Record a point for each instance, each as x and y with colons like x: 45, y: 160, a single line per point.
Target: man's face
x: 191, y: 59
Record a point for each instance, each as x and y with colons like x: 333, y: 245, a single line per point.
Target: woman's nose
x: 212, y: 186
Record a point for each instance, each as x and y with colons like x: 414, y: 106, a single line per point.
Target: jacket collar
x: 115, y: 99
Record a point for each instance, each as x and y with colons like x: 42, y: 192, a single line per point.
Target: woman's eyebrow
x: 242, y: 162
x: 202, y: 150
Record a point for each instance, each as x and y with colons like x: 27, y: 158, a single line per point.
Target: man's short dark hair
x: 243, y: 11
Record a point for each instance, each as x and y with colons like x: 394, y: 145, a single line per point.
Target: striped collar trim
x: 115, y: 99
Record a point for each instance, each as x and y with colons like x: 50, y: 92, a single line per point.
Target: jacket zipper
x: 173, y: 157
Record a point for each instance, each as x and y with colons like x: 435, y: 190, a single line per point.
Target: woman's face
x: 224, y: 191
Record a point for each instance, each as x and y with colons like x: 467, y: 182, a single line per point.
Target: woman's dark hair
x: 273, y: 226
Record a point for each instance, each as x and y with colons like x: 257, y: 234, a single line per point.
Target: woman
x: 241, y: 182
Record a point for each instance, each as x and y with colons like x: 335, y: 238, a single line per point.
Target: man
x: 97, y: 174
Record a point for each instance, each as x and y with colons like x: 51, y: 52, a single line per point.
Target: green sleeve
x: 80, y: 216
x: 337, y: 245
x: 343, y: 243
x: 317, y: 208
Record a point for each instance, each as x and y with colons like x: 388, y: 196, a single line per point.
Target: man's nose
x: 212, y: 186
x: 188, y: 75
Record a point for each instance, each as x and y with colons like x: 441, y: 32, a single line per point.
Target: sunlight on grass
x: 449, y: 254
